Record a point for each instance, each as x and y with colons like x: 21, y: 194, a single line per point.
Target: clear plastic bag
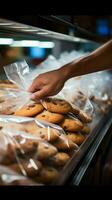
x: 31, y: 148
x: 19, y: 74
x: 74, y: 94
x: 98, y: 88
x: 10, y: 177
x: 12, y: 99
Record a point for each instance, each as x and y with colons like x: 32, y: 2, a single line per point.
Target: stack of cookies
x: 56, y: 111
x: 36, y: 152
x: 42, y: 159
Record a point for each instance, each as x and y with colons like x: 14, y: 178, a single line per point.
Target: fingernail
x: 32, y: 96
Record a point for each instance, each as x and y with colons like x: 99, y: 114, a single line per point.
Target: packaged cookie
x: 27, y: 153
x: 76, y: 138
x: 10, y: 177
x: 23, y: 153
x: 55, y: 105
x: 84, y: 117
x: 51, y: 117
x: 29, y: 110
x: 59, y: 159
x: 65, y: 144
x: 37, y: 128
x: 71, y: 124
x: 86, y: 129
x: 31, y: 167
x: 47, y: 175
x: 12, y: 100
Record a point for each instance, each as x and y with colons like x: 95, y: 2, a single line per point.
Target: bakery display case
x: 54, y: 141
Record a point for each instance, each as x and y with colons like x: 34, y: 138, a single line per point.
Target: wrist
x: 67, y: 70
x: 64, y: 73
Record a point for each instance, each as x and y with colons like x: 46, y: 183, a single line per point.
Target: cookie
x: 76, y: 138
x: 31, y: 127
x: 84, y: 117
x: 71, y: 125
x: 7, y: 159
x: 8, y: 85
x: 47, y: 134
x: 60, y: 159
x: 9, y: 156
x: 85, y: 129
x: 47, y: 175
x: 47, y: 116
x: 75, y: 110
x: 14, y: 177
x: 20, y: 147
x: 30, y: 168
x: 24, y: 145
x: 45, y: 150
x: 8, y: 110
x: 64, y: 144
x: 30, y: 110
x: 57, y: 106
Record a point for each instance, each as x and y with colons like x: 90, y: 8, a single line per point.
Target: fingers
x: 35, y: 86
x: 39, y: 94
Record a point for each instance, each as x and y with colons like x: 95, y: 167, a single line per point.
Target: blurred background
x: 36, y: 51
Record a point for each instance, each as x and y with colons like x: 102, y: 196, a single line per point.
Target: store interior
x: 30, y: 46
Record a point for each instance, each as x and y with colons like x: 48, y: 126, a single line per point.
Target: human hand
x: 47, y: 84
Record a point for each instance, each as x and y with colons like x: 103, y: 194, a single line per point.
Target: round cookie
x: 16, y: 179
x: 24, y: 145
x: 30, y: 110
x: 85, y: 130
x: 57, y: 106
x: 47, y: 116
x: 45, y: 150
x: 71, y: 125
x: 47, y: 175
x: 84, y: 117
x: 64, y: 144
x: 48, y: 134
x: 76, y: 138
x: 30, y: 168
x: 60, y: 159
x: 20, y: 147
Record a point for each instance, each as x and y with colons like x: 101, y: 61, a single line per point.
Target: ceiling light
x: 6, y: 41
x: 32, y: 43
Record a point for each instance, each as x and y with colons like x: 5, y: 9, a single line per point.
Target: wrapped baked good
x: 27, y: 145
x: 10, y: 177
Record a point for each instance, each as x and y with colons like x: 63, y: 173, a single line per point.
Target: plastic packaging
x: 27, y: 146
x: 10, y: 177
x: 89, y: 93
x: 98, y: 87
x: 19, y: 74
x: 73, y: 93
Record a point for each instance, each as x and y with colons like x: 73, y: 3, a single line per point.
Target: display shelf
x: 16, y: 29
x: 77, y: 166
